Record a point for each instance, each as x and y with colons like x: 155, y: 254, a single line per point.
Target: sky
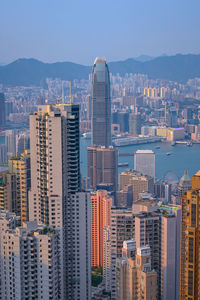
x: 80, y: 30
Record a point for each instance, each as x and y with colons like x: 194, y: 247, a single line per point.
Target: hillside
x: 29, y: 72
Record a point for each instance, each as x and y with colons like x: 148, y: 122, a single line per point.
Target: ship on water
x: 123, y: 164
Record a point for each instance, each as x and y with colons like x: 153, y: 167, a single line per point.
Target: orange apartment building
x: 101, y: 204
x: 190, y: 242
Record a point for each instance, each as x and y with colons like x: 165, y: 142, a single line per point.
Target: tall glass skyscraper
x: 101, y: 104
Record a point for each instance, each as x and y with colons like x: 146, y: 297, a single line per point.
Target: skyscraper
x: 102, y: 166
x: 2, y: 110
x: 144, y: 162
x: 101, y: 104
x: 19, y: 175
x: 55, y: 196
x: 190, y: 246
x: 135, y: 278
x: 22, y: 142
x: 101, y: 204
x: 34, y: 252
x: 170, y: 254
x: 15, y: 184
x: 121, y: 229
x: 185, y: 184
x: 8, y: 221
x: 135, y: 124
x: 11, y: 143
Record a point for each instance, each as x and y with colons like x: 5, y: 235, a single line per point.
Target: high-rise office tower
x: 55, y: 196
x: 135, y: 278
x: 22, y: 142
x: 144, y: 162
x: 11, y: 143
x: 190, y: 243
x: 31, y: 262
x: 2, y: 110
x: 102, y: 166
x: 122, y: 119
x: 135, y: 124
x: 101, y: 104
x: 101, y: 204
x: 185, y: 184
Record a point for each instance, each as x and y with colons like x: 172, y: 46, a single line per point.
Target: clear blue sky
x: 80, y: 30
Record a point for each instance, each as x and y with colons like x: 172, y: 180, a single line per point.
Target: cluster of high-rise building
x: 43, y: 187
x: 58, y: 231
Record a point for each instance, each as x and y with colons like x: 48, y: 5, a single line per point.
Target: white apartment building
x: 30, y: 263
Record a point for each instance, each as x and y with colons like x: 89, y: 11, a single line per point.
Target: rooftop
x: 100, y: 60
x: 185, y: 177
x: 144, y: 152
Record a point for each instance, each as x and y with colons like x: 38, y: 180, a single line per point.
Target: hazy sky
x: 80, y: 30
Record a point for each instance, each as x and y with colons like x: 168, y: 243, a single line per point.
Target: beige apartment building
x: 140, y: 183
x: 15, y: 184
x: 135, y: 279
x: 121, y: 229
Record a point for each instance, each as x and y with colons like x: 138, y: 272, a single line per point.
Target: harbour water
x: 180, y: 157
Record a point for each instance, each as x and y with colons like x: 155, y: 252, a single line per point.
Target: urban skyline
x: 115, y: 227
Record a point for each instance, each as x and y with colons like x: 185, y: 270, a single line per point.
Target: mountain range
x: 32, y: 72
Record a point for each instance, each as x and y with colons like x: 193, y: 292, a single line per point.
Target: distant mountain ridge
x: 32, y: 72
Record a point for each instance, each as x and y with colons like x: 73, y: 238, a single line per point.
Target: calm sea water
x: 181, y: 158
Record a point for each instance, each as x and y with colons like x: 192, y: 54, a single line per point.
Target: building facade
x: 121, y: 229
x: 144, y: 162
x: 140, y: 183
x: 101, y: 204
x: 55, y: 196
x: 15, y: 184
x: 135, y: 279
x: 102, y: 166
x: 101, y: 104
x: 31, y: 261
x: 190, y: 274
